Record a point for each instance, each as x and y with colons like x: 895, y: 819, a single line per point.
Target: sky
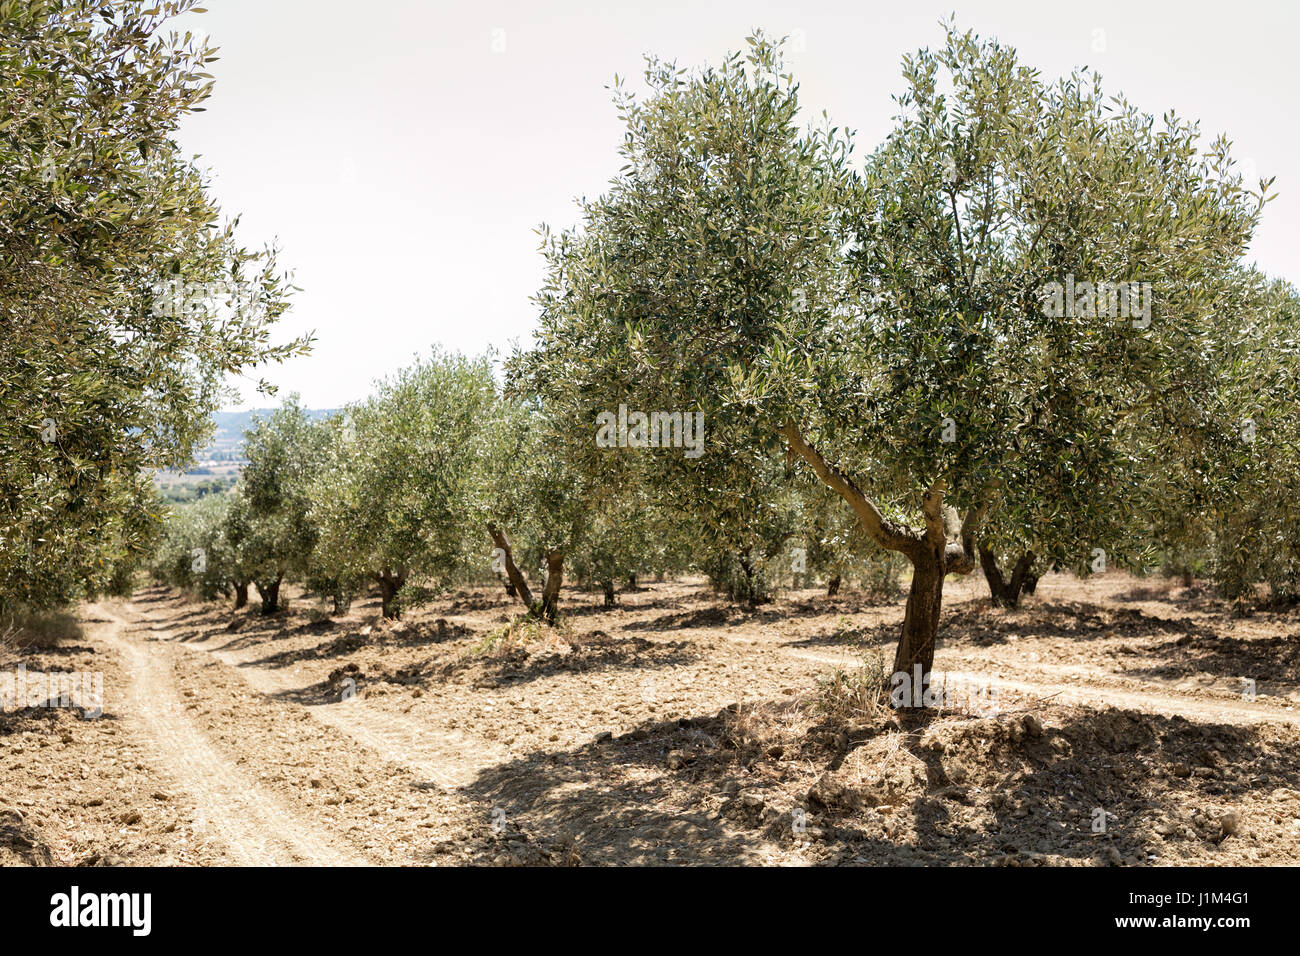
x: 402, y: 153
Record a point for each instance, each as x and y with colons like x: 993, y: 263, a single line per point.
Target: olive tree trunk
x: 551, y: 588
x: 933, y: 551
x: 548, y: 607
x: 269, y: 592
x: 1006, y: 592
x: 921, y: 618
x: 390, y: 582
x: 241, y: 595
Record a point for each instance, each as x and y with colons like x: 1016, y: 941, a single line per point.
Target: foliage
x: 392, y: 498
x: 125, y: 301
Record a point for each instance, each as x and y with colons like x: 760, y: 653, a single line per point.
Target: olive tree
x: 285, y: 451
x: 871, y: 324
x: 530, y: 495
x: 392, y: 501
x: 192, y: 553
x: 1246, y: 528
x: 124, y: 298
x: 623, y: 535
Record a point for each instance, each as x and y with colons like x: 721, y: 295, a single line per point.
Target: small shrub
x: 522, y: 631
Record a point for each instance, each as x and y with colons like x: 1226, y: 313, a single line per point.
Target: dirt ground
x: 1104, y: 723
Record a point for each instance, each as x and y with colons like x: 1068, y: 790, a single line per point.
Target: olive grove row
x: 1022, y: 333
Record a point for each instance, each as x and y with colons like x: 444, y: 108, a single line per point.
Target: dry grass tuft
x: 758, y: 727
x: 525, y: 633
x: 845, y: 696
x: 23, y: 630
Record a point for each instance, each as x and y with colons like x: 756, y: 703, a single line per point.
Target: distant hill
x: 228, y: 442
x: 216, y: 466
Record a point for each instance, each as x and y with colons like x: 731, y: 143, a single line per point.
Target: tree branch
x: 513, y: 573
x: 885, y: 532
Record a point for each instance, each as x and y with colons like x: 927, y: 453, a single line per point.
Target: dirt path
x: 441, y: 755
x: 447, y: 757
x: 1074, y: 685
x: 257, y: 829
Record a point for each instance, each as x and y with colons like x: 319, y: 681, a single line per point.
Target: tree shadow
x: 621, y: 814
x: 590, y: 652
x: 848, y: 601
x: 418, y: 635
x: 1273, y: 659
x: 868, y: 637
x: 988, y: 791
x: 713, y: 616
x: 1076, y: 620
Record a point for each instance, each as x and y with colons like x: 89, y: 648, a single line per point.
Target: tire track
x: 446, y: 757
x: 256, y: 827
x: 1083, y: 692
x: 440, y: 756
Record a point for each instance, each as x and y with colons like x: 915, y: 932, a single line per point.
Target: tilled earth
x: 1112, y: 722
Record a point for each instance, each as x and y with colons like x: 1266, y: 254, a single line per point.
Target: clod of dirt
x: 21, y: 844
x: 1209, y: 758
x: 678, y: 759
x: 340, y: 674
x: 878, y: 773
x: 746, y: 807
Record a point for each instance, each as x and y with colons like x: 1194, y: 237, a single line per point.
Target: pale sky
x: 402, y: 152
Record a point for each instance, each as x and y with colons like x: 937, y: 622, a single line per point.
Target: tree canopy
x: 125, y: 298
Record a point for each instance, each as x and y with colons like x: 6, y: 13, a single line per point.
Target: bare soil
x: 1116, y: 728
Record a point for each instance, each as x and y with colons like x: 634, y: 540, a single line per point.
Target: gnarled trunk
x: 241, y: 595
x: 550, y: 607
x: 390, y: 583
x: 514, y: 576
x: 1006, y: 592
x: 269, y: 592
x: 921, y: 618
x: 833, y: 586
x: 608, y: 588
